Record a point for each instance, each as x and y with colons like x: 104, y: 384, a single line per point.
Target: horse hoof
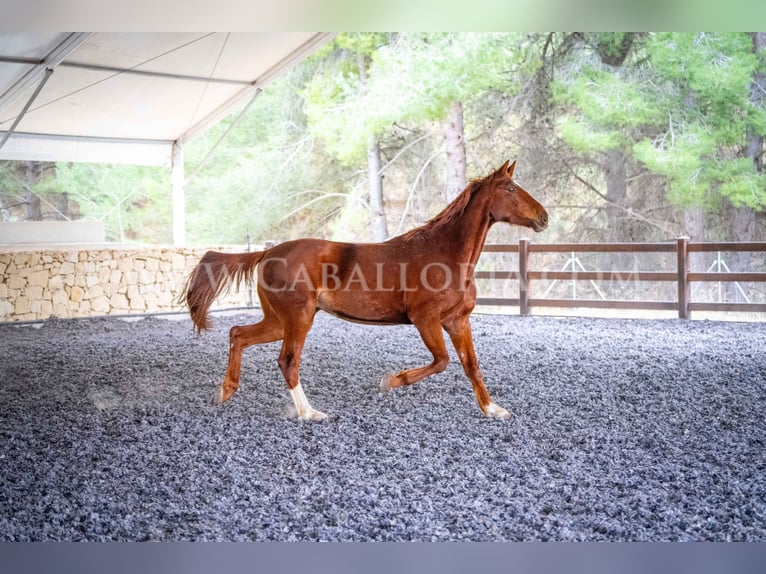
x: 219, y: 398
x: 385, y: 383
x: 497, y: 412
x: 313, y: 415
x: 310, y: 415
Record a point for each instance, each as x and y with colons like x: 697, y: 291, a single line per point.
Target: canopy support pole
x: 179, y: 207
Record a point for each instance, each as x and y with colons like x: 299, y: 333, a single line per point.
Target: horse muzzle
x: 541, y: 222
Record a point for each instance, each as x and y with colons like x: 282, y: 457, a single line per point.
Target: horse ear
x: 504, y: 167
x: 510, y: 168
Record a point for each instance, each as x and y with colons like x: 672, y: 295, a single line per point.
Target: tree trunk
x: 694, y: 229
x: 613, y: 50
x: 754, y: 148
x: 743, y: 218
x: 616, y: 194
x: 456, y: 163
x: 694, y: 223
x: 742, y: 229
x: 378, y: 224
x: 63, y: 206
x: 34, y: 211
x: 614, y: 47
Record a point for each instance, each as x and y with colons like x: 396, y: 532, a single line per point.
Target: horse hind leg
x: 240, y: 337
x: 289, y: 364
x: 302, y: 407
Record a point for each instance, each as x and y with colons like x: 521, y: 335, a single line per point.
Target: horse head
x: 512, y: 203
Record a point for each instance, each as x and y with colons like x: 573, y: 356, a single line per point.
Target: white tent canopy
x: 127, y: 97
x: 131, y: 97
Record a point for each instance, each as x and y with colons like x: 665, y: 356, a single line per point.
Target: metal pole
x: 249, y: 283
x: 179, y: 207
x: 48, y: 72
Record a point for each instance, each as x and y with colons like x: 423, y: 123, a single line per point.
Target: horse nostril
x: 544, y: 219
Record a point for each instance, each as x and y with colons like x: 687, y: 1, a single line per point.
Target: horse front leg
x: 460, y: 333
x: 431, y: 333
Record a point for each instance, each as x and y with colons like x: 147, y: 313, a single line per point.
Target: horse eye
x: 512, y: 189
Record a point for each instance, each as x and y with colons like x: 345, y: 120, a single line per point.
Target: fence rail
x: 682, y: 276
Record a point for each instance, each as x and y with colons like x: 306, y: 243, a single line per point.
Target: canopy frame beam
x: 53, y: 59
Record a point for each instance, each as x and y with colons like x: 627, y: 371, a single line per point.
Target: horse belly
x: 372, y: 308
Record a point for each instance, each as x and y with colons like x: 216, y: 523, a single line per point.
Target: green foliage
x: 263, y: 169
x: 609, y: 100
x: 132, y: 201
x: 603, y: 105
x: 717, y: 67
x: 683, y: 109
x: 742, y: 184
x: 678, y: 107
x: 585, y: 137
x: 706, y: 80
x: 677, y: 157
x: 11, y: 191
x: 412, y: 78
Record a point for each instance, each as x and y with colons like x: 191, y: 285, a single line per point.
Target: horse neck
x: 465, y: 236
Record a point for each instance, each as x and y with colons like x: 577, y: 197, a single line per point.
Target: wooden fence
x: 682, y: 276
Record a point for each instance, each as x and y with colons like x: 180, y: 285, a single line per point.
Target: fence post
x: 684, y: 292
x: 523, y: 277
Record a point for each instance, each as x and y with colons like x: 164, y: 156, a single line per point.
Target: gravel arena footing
x: 621, y: 430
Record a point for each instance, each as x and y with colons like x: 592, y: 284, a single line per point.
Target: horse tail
x: 215, y: 273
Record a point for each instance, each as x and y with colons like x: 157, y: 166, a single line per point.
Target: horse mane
x: 452, y: 212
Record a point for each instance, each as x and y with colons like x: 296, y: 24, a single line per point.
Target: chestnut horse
x: 424, y: 278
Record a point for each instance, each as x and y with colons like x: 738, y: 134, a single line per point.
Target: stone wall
x: 38, y: 284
